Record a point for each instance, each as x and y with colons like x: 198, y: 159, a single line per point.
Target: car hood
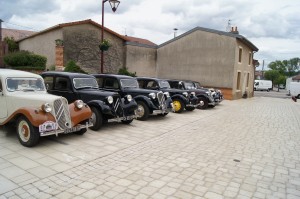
x: 30, y: 99
x: 172, y: 90
x: 139, y: 91
x: 96, y: 92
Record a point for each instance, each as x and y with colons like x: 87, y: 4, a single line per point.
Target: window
x: 248, y: 74
x: 0, y: 86
x: 250, y: 58
x: 111, y: 83
x: 238, y: 83
x: 61, y: 83
x: 49, y: 83
x: 152, y: 85
x: 240, y: 55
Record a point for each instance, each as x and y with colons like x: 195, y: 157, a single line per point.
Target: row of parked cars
x: 61, y: 102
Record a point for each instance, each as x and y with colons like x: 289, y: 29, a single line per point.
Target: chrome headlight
x: 110, y: 99
x: 46, y: 107
x: 129, y: 98
x: 193, y: 93
x: 167, y: 94
x: 208, y: 93
x: 79, y: 104
x: 185, y: 94
x: 152, y: 95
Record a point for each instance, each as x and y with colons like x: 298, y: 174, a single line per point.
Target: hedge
x: 25, y: 59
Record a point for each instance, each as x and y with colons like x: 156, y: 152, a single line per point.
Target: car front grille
x: 117, y: 106
x: 62, y: 113
x: 161, y: 98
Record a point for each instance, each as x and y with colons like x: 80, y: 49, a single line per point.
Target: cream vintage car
x: 25, y: 102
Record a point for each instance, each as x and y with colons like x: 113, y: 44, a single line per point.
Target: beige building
x: 217, y: 59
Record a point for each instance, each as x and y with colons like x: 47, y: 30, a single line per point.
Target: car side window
x: 152, y: 85
x: 100, y: 82
x: 141, y: 83
x: 1, y: 90
x: 61, y: 83
x: 49, y: 83
x: 111, y: 83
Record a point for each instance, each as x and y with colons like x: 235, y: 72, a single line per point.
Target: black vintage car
x: 205, y: 97
x: 149, y: 101
x: 181, y: 99
x: 104, y: 105
x: 216, y: 93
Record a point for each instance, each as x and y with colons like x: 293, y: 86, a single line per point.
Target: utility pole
x: 262, y: 70
x: 1, y: 29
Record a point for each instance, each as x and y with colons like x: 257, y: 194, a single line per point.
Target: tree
x: 272, y: 75
x: 124, y: 71
x: 13, y: 46
x: 286, y: 67
x: 73, y: 67
x: 280, y: 80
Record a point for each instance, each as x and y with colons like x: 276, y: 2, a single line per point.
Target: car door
x: 3, y: 106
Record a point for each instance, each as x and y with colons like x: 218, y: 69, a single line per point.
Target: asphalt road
x: 275, y: 94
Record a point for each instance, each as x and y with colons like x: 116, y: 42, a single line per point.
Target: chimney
x: 234, y: 30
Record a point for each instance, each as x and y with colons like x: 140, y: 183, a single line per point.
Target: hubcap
x: 93, y: 118
x: 201, y: 103
x: 177, y: 105
x: 140, y: 111
x: 23, y: 130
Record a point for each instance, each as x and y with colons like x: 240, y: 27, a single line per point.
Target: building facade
x: 214, y: 58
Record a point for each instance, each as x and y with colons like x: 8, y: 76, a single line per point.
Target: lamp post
x: 114, y: 5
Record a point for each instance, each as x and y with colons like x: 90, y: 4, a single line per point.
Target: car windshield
x: 25, y: 84
x: 197, y: 85
x: 85, y: 83
x: 164, y: 84
x: 129, y: 83
x: 189, y: 85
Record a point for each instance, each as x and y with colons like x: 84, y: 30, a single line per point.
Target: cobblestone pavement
x: 246, y: 148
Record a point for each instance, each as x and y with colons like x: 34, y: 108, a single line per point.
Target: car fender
x: 79, y: 115
x: 104, y: 108
x: 34, y: 115
x: 144, y: 99
x: 177, y: 96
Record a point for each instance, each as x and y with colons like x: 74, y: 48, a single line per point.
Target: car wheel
x: 127, y: 121
x: 190, y: 108
x: 96, y: 119
x: 28, y: 135
x: 142, y: 111
x: 178, y: 105
x: 80, y: 132
x: 203, y: 103
x: 298, y: 96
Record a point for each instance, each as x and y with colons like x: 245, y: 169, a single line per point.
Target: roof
x: 297, y: 77
x: 67, y: 74
x: 16, y: 34
x: 113, y: 75
x: 88, y: 21
x: 139, y: 40
x: 234, y: 35
x: 17, y: 73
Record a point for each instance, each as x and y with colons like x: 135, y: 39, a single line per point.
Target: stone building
x: 217, y: 59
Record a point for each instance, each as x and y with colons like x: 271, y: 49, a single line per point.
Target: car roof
x: 68, y: 74
x: 114, y: 75
x: 17, y: 73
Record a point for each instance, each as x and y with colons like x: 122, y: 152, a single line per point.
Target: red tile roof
x: 139, y: 40
x: 297, y: 77
x: 16, y: 34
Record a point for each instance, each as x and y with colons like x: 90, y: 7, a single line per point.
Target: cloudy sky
x: 272, y: 25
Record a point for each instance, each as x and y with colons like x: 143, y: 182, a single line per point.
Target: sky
x: 271, y: 25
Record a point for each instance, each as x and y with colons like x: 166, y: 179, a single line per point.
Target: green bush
x: 124, y: 71
x: 25, y: 59
x: 73, y: 67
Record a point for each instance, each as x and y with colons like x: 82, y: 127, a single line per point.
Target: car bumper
x: 76, y: 128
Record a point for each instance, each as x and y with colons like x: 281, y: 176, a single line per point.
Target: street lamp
x: 114, y: 5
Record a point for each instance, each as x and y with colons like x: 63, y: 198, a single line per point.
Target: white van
x: 262, y: 85
x: 295, y: 89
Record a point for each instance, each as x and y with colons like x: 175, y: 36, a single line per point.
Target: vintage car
x: 25, y: 103
x: 181, y: 99
x: 205, y: 97
x: 105, y: 106
x: 216, y: 93
x: 149, y: 101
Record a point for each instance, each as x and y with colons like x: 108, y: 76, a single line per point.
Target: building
x: 214, y: 58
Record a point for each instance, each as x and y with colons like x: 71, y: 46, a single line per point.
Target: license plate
x: 48, y: 126
x: 73, y: 129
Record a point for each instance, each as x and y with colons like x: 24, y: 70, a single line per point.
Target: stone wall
x: 81, y: 44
